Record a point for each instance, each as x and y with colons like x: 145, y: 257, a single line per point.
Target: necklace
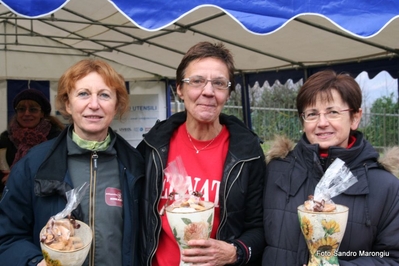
x: 196, y: 149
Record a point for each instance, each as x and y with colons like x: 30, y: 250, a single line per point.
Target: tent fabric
x: 147, y: 39
x: 35, y: 8
x: 262, y: 17
x: 258, y: 17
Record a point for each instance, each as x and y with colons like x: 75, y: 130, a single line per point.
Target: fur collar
x: 280, y: 148
x: 390, y: 160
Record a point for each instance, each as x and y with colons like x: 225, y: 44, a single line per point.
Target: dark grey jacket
x: 240, y: 193
x: 373, y: 222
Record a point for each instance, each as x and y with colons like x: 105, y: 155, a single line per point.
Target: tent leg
x: 246, y: 108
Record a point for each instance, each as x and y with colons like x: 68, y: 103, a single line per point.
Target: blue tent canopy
x: 360, y: 17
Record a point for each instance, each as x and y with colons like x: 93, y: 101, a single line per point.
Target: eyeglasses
x: 199, y: 82
x: 331, y: 114
x: 32, y: 110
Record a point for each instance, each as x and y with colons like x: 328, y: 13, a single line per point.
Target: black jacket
x: 5, y: 142
x: 240, y: 192
x: 11, y: 150
x: 373, y: 202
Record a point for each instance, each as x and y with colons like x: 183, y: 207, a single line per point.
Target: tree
x: 383, y: 127
x: 269, y: 112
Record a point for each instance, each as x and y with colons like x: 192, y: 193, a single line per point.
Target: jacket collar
x: 54, y: 182
x: 306, y: 162
x: 237, y: 129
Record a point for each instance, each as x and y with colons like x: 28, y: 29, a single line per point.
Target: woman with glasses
x: 329, y: 107
x: 223, y: 160
x: 31, y: 125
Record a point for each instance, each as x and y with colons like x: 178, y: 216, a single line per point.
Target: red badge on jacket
x: 113, y: 197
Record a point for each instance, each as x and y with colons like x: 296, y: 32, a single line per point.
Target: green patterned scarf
x: 91, y: 144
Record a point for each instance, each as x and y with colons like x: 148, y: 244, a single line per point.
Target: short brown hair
x: 204, y: 50
x: 114, y: 80
x: 322, y: 83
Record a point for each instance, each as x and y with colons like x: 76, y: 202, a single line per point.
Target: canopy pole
x: 168, y: 89
x: 398, y: 91
x: 246, y: 108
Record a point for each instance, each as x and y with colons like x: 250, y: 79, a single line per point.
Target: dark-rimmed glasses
x: 32, y: 110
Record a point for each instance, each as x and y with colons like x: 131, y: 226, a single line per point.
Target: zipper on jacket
x: 93, y: 179
x: 223, y: 216
x: 155, y: 153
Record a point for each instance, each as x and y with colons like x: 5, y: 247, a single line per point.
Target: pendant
x: 197, y: 151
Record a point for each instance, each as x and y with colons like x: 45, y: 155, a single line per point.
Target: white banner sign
x: 143, y: 113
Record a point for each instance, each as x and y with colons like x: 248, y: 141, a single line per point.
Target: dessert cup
x: 323, y: 232
x: 187, y: 223
x: 74, y: 257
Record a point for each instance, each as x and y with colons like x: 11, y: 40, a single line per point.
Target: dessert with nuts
x: 60, y: 235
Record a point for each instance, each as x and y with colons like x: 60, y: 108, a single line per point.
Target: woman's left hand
x: 209, y: 252
x: 6, y: 173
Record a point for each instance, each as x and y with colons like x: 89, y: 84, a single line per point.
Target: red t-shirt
x: 205, y: 170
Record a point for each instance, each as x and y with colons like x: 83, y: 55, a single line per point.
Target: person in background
x: 329, y: 107
x: 32, y: 124
x: 223, y: 159
x: 90, y: 94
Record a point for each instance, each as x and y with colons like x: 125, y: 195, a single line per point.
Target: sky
x: 381, y: 85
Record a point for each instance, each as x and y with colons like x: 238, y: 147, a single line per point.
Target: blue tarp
x: 360, y: 17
